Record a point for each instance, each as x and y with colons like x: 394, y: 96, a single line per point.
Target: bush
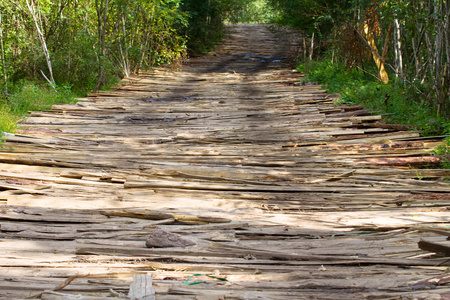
x: 397, y: 105
x: 31, y: 97
x: 28, y: 96
x: 8, y: 121
x: 206, y: 23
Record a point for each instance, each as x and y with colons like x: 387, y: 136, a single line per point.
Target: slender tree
x: 36, y: 19
x: 5, y: 76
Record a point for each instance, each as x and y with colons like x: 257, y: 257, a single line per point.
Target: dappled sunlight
x: 249, y: 176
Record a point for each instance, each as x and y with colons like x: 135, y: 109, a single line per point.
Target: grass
x: 396, y: 104
x: 444, y: 152
x: 29, y: 96
x: 8, y: 121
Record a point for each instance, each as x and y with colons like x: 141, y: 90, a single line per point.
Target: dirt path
x: 234, y: 170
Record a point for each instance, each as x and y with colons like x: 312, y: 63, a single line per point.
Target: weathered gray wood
x: 268, y: 184
x: 142, y: 288
x: 51, y: 295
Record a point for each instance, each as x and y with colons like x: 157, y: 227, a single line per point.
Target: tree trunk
x: 438, y: 43
x: 311, y: 52
x: 398, y: 49
x: 144, y: 53
x: 5, y: 76
x: 386, y: 42
x: 102, y: 18
x: 305, y: 54
x: 446, y: 81
x: 375, y: 54
x: 124, y: 49
x: 33, y: 13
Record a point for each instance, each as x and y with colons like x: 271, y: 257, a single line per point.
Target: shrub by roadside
x: 29, y: 96
x: 397, y: 104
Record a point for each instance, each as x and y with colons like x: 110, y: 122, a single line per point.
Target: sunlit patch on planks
x: 252, y: 176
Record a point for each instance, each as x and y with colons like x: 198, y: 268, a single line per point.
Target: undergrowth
x: 443, y: 151
x: 8, y: 121
x: 398, y: 105
x: 26, y: 97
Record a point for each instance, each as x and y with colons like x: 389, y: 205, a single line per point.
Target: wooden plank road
x: 229, y: 168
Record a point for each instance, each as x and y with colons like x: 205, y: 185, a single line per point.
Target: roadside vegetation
x: 397, y: 104
x: 29, y: 96
x: 54, y: 51
x: 391, y: 56
x: 253, y: 11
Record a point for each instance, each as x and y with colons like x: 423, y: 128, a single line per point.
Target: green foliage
x: 206, y: 23
x: 28, y: 96
x: 77, y: 66
x: 443, y: 151
x: 396, y: 104
x: 91, y: 43
x: 31, y: 97
x: 358, y: 87
x: 410, y: 37
x: 319, y: 16
x: 8, y: 121
x: 252, y: 11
